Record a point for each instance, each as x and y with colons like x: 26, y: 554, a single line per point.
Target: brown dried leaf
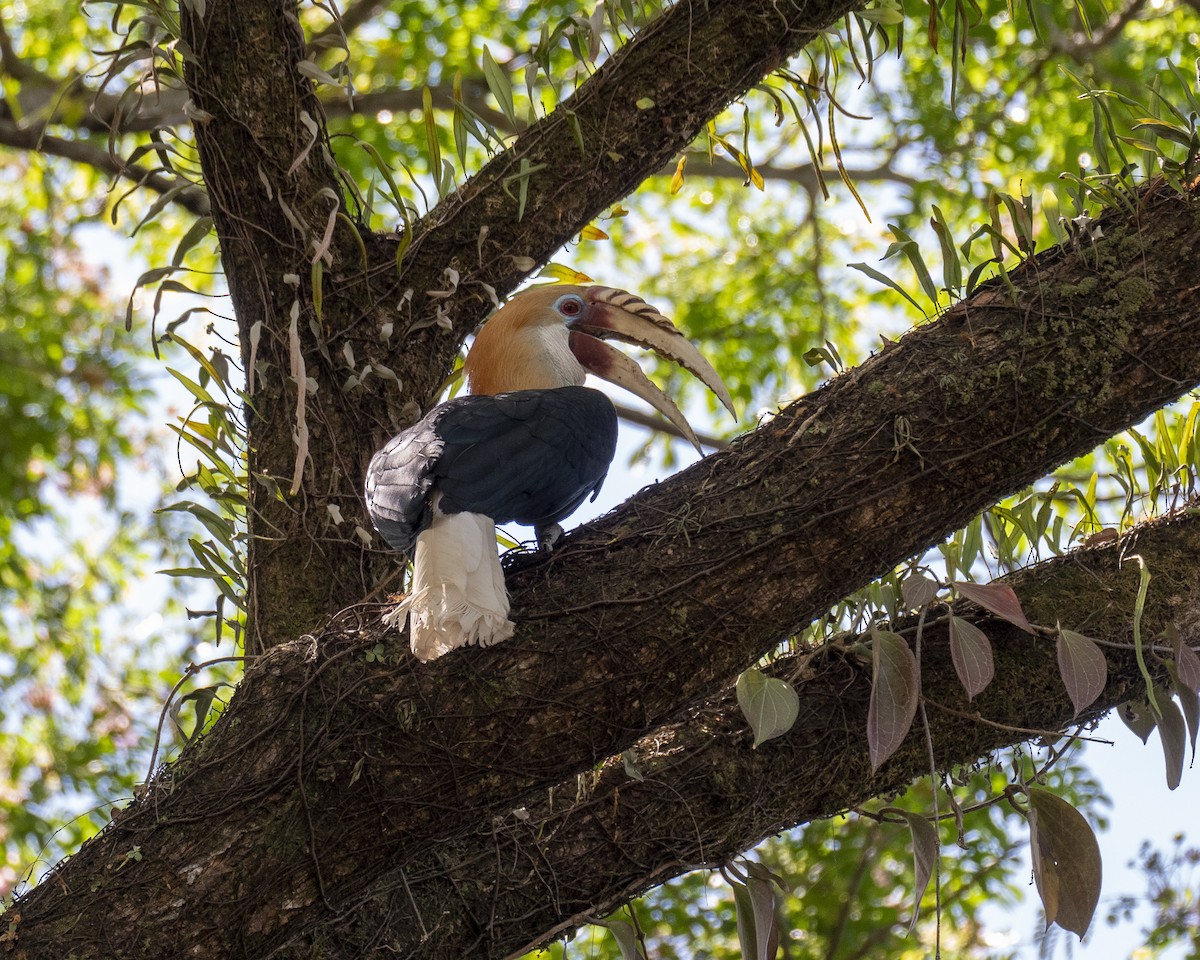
x: 997, y: 598
x: 1066, y: 861
x: 1083, y: 668
x: 894, y: 690
x: 971, y: 651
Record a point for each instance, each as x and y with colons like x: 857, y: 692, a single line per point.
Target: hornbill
x: 528, y: 444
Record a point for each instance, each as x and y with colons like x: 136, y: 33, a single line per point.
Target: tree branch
x: 584, y: 848
x: 191, y: 198
x: 275, y: 221
x: 620, y: 629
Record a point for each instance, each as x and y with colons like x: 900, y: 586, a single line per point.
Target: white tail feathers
x: 458, y: 595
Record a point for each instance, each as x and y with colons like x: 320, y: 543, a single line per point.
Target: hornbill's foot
x: 548, y: 536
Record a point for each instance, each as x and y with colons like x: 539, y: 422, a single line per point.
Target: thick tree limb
x: 274, y: 202
x: 585, y: 848
x: 328, y: 769
x: 350, y: 767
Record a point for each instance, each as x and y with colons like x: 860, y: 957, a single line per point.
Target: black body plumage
x: 529, y: 457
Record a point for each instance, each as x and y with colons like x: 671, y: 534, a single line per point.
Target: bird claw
x: 548, y: 536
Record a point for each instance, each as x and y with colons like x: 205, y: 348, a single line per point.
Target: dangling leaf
x: 743, y: 909
x: 1138, y: 717
x: 1066, y: 861
x: 677, y: 177
x: 894, y: 690
x: 754, y: 902
x: 971, y: 653
x: 1173, y: 734
x: 628, y: 939
x: 1186, y: 660
x: 771, y: 705
x: 918, y: 590
x: 1189, y: 702
x: 926, y: 844
x: 997, y: 598
x: 1083, y: 668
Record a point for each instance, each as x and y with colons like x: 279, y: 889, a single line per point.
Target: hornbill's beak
x: 618, y: 315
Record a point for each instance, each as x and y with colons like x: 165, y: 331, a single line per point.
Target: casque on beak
x: 618, y: 315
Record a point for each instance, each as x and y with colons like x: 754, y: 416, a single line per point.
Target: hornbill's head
x: 553, y: 336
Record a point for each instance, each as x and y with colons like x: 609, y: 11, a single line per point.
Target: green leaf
x: 887, y: 16
x: 912, y: 252
x: 1186, y: 660
x: 771, y: 705
x: 1189, y: 703
x: 1173, y: 733
x: 629, y: 940
x: 1139, y: 605
x: 1138, y: 717
x: 762, y: 902
x: 197, y: 232
x: 885, y: 280
x: 743, y: 908
x: 431, y: 131
x: 201, y: 700
x: 498, y: 83
x: 918, y: 590
x: 951, y: 264
x: 1168, y: 131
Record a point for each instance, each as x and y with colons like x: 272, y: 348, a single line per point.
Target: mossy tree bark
x: 342, y: 802
x: 329, y: 773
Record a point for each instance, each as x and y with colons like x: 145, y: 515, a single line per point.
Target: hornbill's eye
x: 570, y: 306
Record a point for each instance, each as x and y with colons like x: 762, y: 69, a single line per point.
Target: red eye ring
x: 570, y: 306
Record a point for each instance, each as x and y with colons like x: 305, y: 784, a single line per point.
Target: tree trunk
x: 328, y: 770
x: 276, y: 194
x: 339, y: 798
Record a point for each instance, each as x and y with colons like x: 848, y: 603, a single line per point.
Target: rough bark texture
x: 581, y: 850
x: 339, y: 798
x: 274, y: 190
x: 328, y: 771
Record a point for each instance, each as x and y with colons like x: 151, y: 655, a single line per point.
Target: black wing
x: 530, y: 457
x: 400, y: 482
